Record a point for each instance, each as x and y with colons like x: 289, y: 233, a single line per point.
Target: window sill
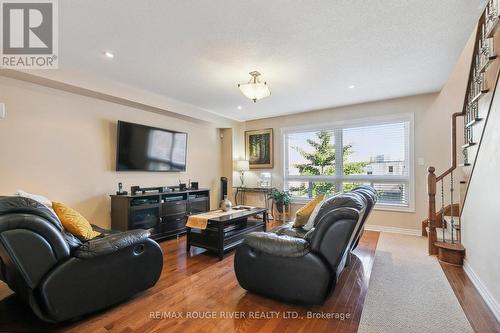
x: 297, y: 201
x: 381, y: 207
x: 397, y: 209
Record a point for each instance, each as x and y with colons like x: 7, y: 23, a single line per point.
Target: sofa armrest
x: 278, y: 245
x: 111, y: 243
x: 104, y: 232
x: 276, y: 229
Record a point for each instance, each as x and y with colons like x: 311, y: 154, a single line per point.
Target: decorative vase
x: 226, y: 204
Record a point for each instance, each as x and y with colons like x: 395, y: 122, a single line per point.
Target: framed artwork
x: 259, y: 148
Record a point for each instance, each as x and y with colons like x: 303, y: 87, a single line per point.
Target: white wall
x: 481, y: 211
x: 63, y: 145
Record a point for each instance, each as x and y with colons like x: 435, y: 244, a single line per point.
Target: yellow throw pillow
x: 302, y: 215
x: 73, y: 222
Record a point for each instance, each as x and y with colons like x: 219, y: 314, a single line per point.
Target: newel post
x: 431, y: 190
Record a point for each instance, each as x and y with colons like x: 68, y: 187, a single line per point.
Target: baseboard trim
x: 393, y: 230
x: 483, y: 291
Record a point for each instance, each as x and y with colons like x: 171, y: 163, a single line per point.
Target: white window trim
x: 410, y: 117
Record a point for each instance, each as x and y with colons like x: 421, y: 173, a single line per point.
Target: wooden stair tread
x: 473, y: 121
x: 469, y: 144
x: 479, y: 95
x: 450, y: 246
x: 485, y: 66
x: 447, y: 235
x: 456, y: 225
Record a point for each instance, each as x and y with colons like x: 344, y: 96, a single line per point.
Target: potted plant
x: 281, y: 199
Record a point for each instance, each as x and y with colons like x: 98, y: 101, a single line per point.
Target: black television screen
x: 144, y: 148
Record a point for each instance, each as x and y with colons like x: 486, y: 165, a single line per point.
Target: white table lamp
x: 242, y: 166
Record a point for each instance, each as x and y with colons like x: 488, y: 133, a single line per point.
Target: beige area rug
x: 408, y: 291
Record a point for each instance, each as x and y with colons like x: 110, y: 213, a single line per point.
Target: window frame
x: 339, y: 178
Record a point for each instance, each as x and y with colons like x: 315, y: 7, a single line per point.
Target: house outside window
x: 376, y: 152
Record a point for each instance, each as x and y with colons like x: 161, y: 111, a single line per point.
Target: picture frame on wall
x: 259, y: 148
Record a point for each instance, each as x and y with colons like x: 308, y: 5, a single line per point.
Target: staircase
x: 443, y: 224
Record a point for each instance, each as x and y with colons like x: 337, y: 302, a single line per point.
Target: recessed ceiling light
x: 109, y: 54
x: 240, y: 107
x: 352, y: 86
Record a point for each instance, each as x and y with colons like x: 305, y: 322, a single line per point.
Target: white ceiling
x: 309, y: 52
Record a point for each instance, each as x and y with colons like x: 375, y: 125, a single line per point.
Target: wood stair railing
x: 481, y: 86
x: 445, y: 251
x: 448, y: 210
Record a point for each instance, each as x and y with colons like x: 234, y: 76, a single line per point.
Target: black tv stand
x: 164, y: 214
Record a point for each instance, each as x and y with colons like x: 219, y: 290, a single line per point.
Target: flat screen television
x: 145, y: 148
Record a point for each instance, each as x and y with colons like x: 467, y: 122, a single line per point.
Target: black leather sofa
x: 62, y: 278
x: 303, y: 266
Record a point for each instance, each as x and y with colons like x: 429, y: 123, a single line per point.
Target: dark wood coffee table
x: 227, y: 232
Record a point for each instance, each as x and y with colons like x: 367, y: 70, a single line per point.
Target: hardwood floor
x: 199, y: 285
x: 476, y: 310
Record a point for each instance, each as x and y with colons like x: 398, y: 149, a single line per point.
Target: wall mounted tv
x: 144, y: 148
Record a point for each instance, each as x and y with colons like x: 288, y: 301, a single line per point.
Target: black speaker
x: 223, y: 187
x: 135, y: 189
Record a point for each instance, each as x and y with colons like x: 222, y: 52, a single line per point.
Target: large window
x: 375, y: 153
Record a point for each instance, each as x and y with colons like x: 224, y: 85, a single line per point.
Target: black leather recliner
x: 300, y: 266
x: 370, y: 195
x: 62, y: 278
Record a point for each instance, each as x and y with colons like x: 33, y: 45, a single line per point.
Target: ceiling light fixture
x: 352, y: 86
x: 109, y: 54
x: 255, y: 89
x: 240, y: 107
